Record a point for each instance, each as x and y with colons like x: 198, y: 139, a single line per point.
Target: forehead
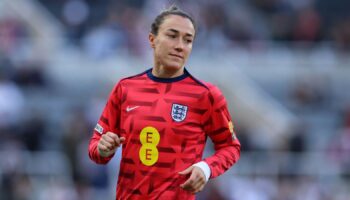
x: 179, y: 23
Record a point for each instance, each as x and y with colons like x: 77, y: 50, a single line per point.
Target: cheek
x: 188, y: 50
x: 157, y: 45
x: 159, y: 52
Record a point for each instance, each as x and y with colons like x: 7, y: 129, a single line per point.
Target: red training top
x: 166, y: 122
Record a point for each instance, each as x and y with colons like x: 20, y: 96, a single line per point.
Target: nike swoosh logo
x: 128, y: 109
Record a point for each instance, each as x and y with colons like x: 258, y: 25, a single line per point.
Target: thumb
x: 186, y: 171
x: 122, y: 139
x: 119, y: 140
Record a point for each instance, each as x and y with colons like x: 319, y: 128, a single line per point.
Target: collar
x: 167, y: 80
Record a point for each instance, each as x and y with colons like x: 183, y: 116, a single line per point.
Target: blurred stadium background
x: 284, y: 66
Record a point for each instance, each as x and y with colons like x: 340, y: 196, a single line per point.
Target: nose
x: 179, y: 45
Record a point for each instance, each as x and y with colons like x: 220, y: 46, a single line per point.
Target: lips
x: 175, y: 55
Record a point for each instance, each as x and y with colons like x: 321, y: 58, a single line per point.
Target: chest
x: 162, y: 106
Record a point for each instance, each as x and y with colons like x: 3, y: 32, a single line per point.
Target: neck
x: 167, y: 72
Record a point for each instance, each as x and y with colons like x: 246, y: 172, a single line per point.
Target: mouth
x: 177, y: 56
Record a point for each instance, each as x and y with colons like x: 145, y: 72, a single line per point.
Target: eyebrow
x: 176, y: 31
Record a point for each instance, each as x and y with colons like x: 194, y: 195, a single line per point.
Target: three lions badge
x: 178, y: 112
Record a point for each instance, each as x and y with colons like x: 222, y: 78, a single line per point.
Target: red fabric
x: 140, y: 101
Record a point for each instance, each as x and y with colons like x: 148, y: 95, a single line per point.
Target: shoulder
x: 140, y: 76
x: 214, y: 90
x: 211, y: 88
x: 213, y: 93
x: 117, y: 89
x: 201, y: 83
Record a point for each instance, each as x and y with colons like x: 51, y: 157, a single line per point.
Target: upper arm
x: 218, y: 123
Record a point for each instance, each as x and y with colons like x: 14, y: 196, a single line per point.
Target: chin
x: 173, y: 65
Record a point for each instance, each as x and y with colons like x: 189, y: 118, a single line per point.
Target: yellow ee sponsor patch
x: 148, y: 154
x: 149, y: 138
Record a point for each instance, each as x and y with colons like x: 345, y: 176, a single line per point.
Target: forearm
x: 223, y: 159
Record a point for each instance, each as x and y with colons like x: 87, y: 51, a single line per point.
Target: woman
x: 162, y: 118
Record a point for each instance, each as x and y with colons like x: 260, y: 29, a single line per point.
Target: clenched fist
x: 109, y: 143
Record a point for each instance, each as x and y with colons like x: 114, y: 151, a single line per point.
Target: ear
x: 151, y: 38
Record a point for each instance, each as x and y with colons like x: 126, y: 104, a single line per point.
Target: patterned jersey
x: 166, y: 122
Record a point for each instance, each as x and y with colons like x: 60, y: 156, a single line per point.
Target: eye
x: 188, y: 41
x: 171, y: 36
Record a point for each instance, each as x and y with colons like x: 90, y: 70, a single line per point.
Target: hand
x: 109, y: 143
x: 197, y: 180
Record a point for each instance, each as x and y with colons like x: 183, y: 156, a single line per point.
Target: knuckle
x: 111, y: 146
x: 101, y: 147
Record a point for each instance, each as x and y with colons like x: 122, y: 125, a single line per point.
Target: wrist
x: 106, y: 153
x: 205, y: 168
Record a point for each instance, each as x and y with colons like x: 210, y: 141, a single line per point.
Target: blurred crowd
x: 36, y: 116
x: 102, y: 28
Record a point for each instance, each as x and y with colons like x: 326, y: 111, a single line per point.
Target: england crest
x: 178, y: 112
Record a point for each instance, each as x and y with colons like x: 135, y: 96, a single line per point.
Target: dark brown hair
x: 172, y: 10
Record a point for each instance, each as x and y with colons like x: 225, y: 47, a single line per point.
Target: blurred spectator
x: 74, y: 15
x: 245, y: 138
x: 340, y: 146
x: 12, y: 32
x: 10, y: 167
x: 341, y: 34
x: 77, y: 130
x: 32, y: 132
x: 296, y: 142
x: 212, y: 191
x: 310, y: 93
x: 30, y: 74
x: 132, y: 21
x: 103, y: 40
x: 15, y: 41
x: 308, y: 25
x: 16, y: 186
x: 278, y: 15
x: 11, y: 102
x: 212, y: 15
